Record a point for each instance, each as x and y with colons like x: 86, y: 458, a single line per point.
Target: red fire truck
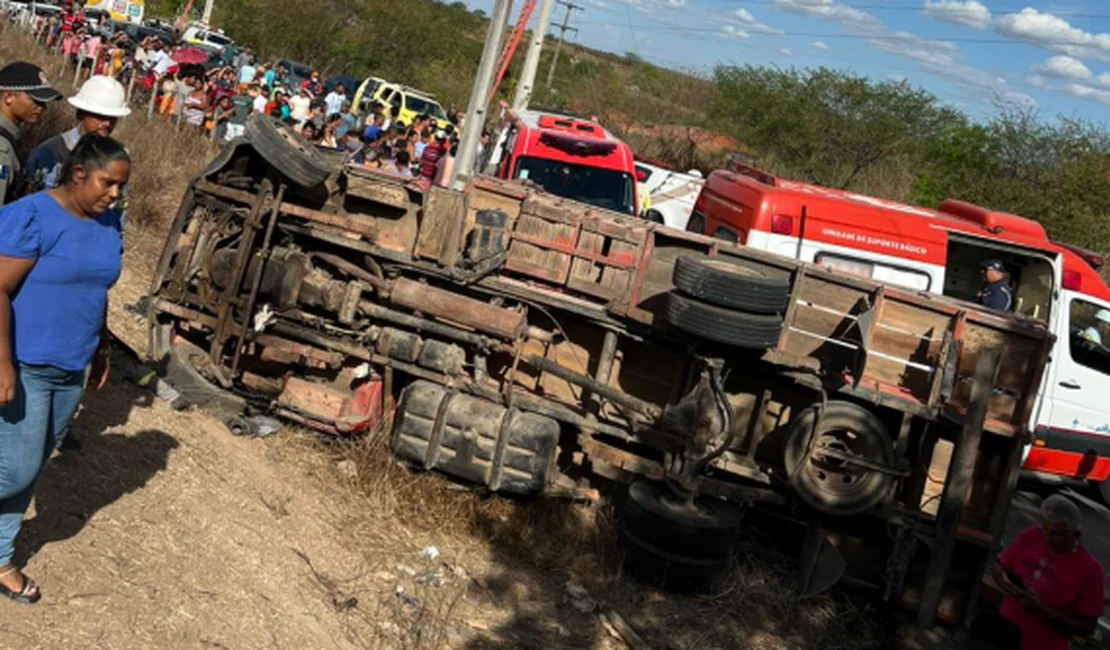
x: 941, y: 251
x: 568, y: 156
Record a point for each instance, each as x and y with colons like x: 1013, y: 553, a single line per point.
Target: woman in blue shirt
x: 59, y: 255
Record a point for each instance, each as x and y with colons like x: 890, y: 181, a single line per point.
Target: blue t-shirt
x: 372, y: 133
x: 58, y: 311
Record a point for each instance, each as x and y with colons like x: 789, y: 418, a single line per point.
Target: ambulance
x: 942, y: 251
x: 568, y: 156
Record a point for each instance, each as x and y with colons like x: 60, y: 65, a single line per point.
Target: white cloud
x: 820, y: 45
x: 969, y: 13
x: 1078, y: 80
x: 750, y: 24
x: 744, y: 16
x: 734, y: 32
x: 1081, y: 91
x: 1064, y: 67
x: 1054, y: 34
x: 941, y: 59
x: 786, y: 51
x: 847, y: 17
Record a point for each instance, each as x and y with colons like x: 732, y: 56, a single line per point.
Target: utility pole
x: 207, y: 18
x: 527, y: 81
x: 479, y: 97
x: 563, y: 29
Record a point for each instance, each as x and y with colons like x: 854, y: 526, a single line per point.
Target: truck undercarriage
x: 528, y: 344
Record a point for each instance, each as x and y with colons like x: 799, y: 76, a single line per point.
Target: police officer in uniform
x: 995, y: 293
x: 24, y: 93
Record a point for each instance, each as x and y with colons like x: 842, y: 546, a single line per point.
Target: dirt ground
x: 165, y: 531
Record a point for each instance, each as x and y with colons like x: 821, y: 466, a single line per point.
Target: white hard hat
x: 101, y: 95
x: 1103, y: 315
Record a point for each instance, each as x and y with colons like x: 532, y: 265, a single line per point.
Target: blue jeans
x: 31, y: 428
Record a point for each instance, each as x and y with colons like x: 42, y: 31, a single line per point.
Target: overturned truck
x: 531, y: 345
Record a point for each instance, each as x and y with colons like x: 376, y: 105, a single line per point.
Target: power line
x: 916, y: 9
x: 563, y: 29
x: 833, y: 35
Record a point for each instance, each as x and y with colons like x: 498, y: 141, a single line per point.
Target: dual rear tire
x: 728, y: 300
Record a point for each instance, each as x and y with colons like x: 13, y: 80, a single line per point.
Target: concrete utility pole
x: 527, y: 81
x: 479, y: 96
x: 207, y: 18
x: 563, y: 29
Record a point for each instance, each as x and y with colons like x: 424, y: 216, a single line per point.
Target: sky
x: 1053, y: 55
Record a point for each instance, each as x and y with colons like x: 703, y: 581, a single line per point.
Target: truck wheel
x: 674, y: 545
x: 722, y: 325
x: 732, y: 283
x: 654, y: 216
x: 826, y: 483
x: 287, y: 151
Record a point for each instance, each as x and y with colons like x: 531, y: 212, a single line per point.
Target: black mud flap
x: 474, y: 439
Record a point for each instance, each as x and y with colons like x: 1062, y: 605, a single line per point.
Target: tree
x: 826, y: 126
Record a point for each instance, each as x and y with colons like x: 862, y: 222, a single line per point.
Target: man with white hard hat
x: 100, y: 103
x: 1099, y: 331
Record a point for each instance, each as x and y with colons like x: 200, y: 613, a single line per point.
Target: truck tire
x: 825, y: 483
x: 713, y: 323
x: 681, y: 547
x: 287, y: 151
x: 732, y: 283
x: 654, y: 216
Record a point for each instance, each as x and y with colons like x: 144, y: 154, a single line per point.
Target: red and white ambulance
x: 568, y: 156
x: 942, y: 251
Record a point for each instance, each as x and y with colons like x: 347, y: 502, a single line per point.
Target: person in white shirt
x: 300, y: 106
x: 1101, y: 328
x: 335, y: 99
x: 160, y: 61
x: 258, y: 99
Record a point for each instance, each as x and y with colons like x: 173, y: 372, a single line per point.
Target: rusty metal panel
x: 439, y: 223
x: 379, y: 189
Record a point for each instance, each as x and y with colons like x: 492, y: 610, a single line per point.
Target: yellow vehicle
x: 413, y: 102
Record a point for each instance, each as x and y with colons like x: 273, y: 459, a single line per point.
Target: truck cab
x: 568, y: 156
x: 942, y: 251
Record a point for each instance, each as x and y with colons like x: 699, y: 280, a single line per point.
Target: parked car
x: 296, y: 73
x: 136, y: 33
x: 201, y: 35
x: 672, y: 193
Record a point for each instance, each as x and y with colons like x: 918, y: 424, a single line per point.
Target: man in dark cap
x: 24, y: 92
x: 995, y: 293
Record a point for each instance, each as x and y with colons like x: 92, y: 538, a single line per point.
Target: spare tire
x: 828, y: 484
x: 677, y: 546
x: 287, y: 151
x: 732, y: 282
x: 734, y: 328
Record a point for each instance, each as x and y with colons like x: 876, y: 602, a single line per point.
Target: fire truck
x: 567, y: 156
x: 942, y: 251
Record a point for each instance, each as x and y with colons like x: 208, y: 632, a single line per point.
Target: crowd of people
x: 217, y: 94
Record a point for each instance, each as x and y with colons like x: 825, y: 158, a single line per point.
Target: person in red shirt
x: 429, y: 159
x: 1053, y: 586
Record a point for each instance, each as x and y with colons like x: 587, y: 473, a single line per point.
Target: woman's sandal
x: 28, y: 595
